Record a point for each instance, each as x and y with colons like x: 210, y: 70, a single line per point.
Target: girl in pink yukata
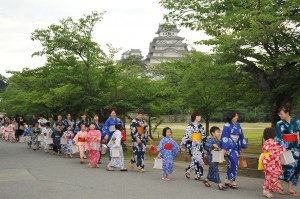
x: 168, y: 150
x: 11, y: 128
x: 272, y: 164
x: 5, y: 131
x: 80, y: 140
x: 94, y: 139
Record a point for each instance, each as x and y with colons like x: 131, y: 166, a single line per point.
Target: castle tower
x: 166, y: 46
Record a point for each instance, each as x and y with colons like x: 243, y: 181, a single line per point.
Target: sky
x: 126, y: 24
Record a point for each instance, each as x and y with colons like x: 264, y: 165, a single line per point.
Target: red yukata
x: 272, y: 164
x: 94, y: 136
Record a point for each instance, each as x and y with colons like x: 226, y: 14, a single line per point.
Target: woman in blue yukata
x: 232, y: 142
x: 109, y: 125
x: 140, y: 137
x: 83, y: 121
x: 168, y: 150
x: 287, y: 132
x: 194, y: 140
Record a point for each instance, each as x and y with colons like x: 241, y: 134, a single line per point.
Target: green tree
x: 262, y: 37
x: 204, y: 84
x: 3, y: 83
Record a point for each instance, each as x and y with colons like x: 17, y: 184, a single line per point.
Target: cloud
x: 126, y: 24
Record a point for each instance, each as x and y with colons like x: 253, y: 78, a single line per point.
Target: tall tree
x: 262, y: 37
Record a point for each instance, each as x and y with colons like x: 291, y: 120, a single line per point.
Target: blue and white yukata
x: 168, y: 149
x: 56, y: 135
x: 195, y: 148
x: 78, y: 126
x: 68, y: 147
x: 109, y: 128
x: 27, y: 133
x: 139, y: 149
x: 35, y: 131
x: 289, y: 172
x: 66, y: 123
x: 213, y: 170
x: 232, y: 140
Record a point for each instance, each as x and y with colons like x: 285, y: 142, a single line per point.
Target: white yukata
x: 116, y: 162
x: 47, y: 132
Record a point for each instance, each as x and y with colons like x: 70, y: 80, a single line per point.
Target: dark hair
x: 214, y: 129
x: 287, y: 108
x: 269, y: 133
x: 165, y: 131
x: 194, y: 115
x: 47, y: 124
x: 41, y: 115
x: 118, y: 126
x: 230, y: 115
x: 141, y: 111
x: 82, y: 114
x: 95, y: 115
x: 113, y: 109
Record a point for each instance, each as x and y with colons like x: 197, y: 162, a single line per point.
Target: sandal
x: 206, y: 183
x: 222, y: 188
x: 166, y: 179
x: 293, y: 193
x: 233, y: 186
x: 109, y: 169
x: 267, y: 194
x: 187, y: 173
x: 280, y: 190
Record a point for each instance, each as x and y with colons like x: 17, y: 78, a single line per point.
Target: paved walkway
x: 27, y: 174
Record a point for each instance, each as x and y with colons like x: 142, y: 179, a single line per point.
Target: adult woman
x: 140, y: 137
x: 232, y: 142
x: 194, y: 140
x: 287, y: 131
x: 21, y: 127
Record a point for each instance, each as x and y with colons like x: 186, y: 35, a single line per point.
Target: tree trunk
x: 207, y: 124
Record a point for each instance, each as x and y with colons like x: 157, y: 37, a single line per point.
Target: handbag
x: 40, y: 138
x: 74, y: 149
x: 95, y: 146
x: 22, y: 139
x: 217, y: 156
x: 63, y: 141
x: 242, y: 162
x: 157, y: 163
x: 50, y: 141
x: 152, y: 150
x: 115, y: 153
x: 287, y: 158
x: 103, y: 149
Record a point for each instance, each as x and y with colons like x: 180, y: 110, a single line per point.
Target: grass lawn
x: 252, y: 131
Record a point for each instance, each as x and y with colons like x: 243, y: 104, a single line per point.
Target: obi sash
x: 140, y: 129
x: 196, y: 137
x: 112, y: 128
x: 168, y: 146
x: 81, y: 139
x: 69, y: 137
x: 290, y: 137
x: 234, y: 137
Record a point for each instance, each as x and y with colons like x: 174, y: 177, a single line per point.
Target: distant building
x: 131, y: 52
x: 166, y: 46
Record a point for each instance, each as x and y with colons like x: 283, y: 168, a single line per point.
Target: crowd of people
x: 92, y: 138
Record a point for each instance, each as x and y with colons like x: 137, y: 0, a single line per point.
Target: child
x: 56, y: 135
x: 115, y: 144
x: 11, y: 128
x: 80, y: 140
x: 211, y: 144
x: 35, y: 132
x: 272, y: 164
x: 27, y: 133
x: 5, y: 131
x: 68, y: 147
x: 94, y: 136
x: 47, y: 132
x: 168, y: 150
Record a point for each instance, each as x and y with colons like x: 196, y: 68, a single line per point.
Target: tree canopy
x: 261, y: 37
